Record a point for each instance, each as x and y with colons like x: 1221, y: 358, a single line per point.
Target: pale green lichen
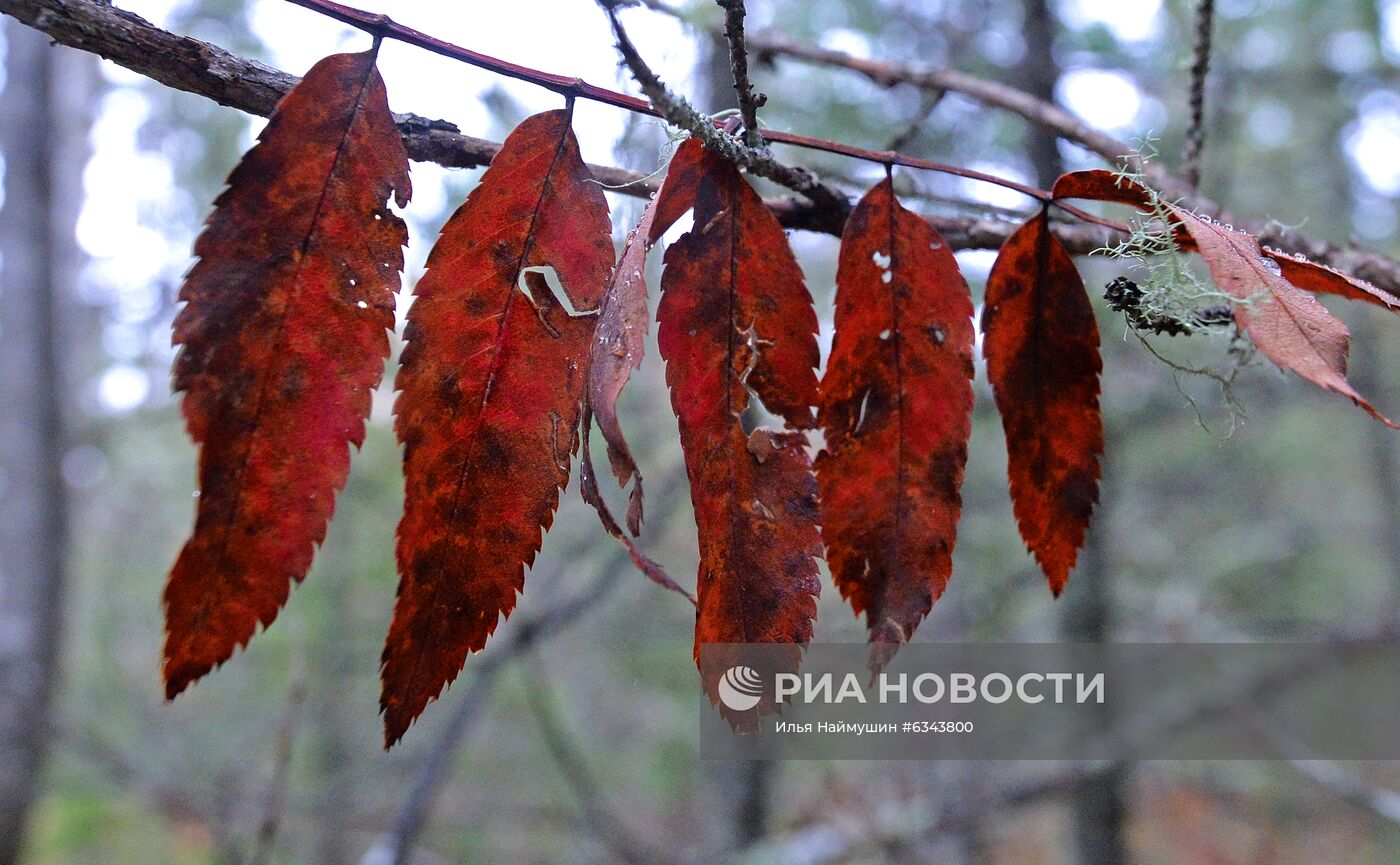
x: 1172, y: 291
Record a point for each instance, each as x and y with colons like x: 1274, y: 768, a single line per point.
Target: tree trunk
x: 43, y: 138
x: 1370, y: 346
x: 1039, y: 73
x: 334, y: 749
x: 1099, y: 807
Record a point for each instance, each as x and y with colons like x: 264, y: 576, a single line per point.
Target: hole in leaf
x: 860, y: 416
x: 757, y: 412
x: 555, y: 286
x: 544, y: 278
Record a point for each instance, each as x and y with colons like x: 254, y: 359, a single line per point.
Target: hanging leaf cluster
x: 525, y: 327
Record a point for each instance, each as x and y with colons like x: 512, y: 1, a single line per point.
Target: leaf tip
x: 397, y: 720
x: 182, y: 666
x: 174, y: 687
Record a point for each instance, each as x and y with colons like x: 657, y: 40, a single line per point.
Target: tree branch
x: 1378, y: 269
x: 592, y: 799
x: 275, y: 796
x: 993, y: 93
x: 208, y: 70
x: 680, y: 113
x: 396, y: 847
x: 906, y: 136
x: 799, y: 180
x: 1380, y: 801
x: 749, y: 102
x: 1200, y: 68
x: 677, y: 111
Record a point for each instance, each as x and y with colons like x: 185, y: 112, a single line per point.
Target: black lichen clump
x: 1125, y: 296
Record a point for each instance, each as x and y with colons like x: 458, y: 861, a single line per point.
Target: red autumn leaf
x: 1101, y: 185
x: 734, y: 316
x: 1042, y: 350
x: 896, y: 405
x: 588, y: 487
x: 617, y: 349
x: 784, y: 351
x: 622, y: 323
x: 283, y: 338
x: 1320, y: 279
x: 1288, y: 325
x: 488, y: 411
x: 688, y: 166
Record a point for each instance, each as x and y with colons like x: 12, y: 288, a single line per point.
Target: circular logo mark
x: 740, y: 688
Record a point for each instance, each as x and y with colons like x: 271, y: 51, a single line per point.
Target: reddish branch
x: 211, y: 71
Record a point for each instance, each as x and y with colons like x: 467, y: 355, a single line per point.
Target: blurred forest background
x: 573, y: 737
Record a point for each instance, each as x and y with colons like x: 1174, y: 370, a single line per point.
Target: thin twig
x: 396, y: 847
x: 1329, y: 774
x: 1380, y: 801
x: 906, y: 136
x: 671, y: 108
x: 178, y: 802
x: 909, y: 189
x: 887, y: 73
x: 1200, y: 68
x: 749, y: 102
x: 589, y: 793
x: 274, y: 802
x: 680, y: 113
x: 211, y: 71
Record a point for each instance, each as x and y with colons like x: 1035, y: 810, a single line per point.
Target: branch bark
x: 1200, y: 68
x: 1380, y: 270
x: 749, y: 101
x: 680, y: 113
